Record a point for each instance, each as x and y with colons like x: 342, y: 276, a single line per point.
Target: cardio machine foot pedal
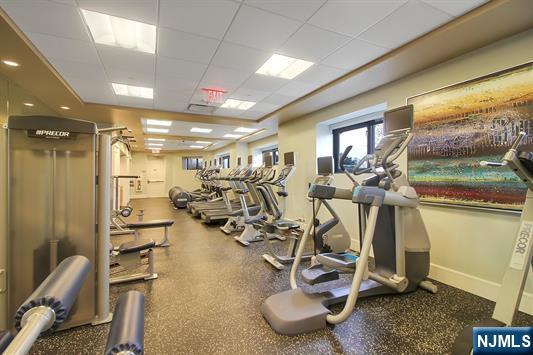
x: 318, y: 274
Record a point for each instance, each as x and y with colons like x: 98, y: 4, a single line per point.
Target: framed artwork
x: 457, y: 127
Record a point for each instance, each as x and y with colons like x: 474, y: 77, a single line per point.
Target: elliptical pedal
x: 317, y: 274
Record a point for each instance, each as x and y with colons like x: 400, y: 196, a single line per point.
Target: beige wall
x: 470, y: 249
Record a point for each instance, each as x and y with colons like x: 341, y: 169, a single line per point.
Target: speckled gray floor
x: 207, y: 298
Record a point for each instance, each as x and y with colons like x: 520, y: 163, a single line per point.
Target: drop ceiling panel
x: 454, y: 7
x: 168, y: 101
x: 65, y: 48
x: 278, y: 99
x: 246, y: 94
x: 353, y: 17
x: 46, y: 17
x: 128, y: 67
x: 79, y: 70
x: 137, y: 10
x: 354, y: 54
x: 228, y: 112
x: 170, y: 69
x: 312, y: 43
x: 230, y: 55
x: 180, y: 90
x: 394, y: 30
x: 300, y: 10
x: 260, y: 29
x: 321, y: 74
x: 264, y: 83
x: 135, y: 102
x: 296, y: 89
x: 263, y: 107
x: 93, y: 90
x: 181, y: 45
x: 209, y: 18
x: 224, y: 78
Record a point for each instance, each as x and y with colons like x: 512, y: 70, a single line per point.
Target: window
x: 275, y: 154
x: 192, y: 163
x: 225, y: 162
x: 362, y: 136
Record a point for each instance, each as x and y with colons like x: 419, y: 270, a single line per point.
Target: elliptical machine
x: 514, y: 279
x: 390, y: 224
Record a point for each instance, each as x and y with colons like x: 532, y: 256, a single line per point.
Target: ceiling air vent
x: 201, y: 108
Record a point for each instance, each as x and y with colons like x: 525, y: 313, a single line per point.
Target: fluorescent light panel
x: 237, y: 104
x: 134, y: 91
x: 65, y: 108
x: 10, y: 63
x: 120, y: 32
x: 155, y: 144
x: 196, y: 146
x: 159, y: 123
x: 202, y: 142
x: 29, y: 104
x: 230, y: 135
x: 281, y: 66
x: 201, y: 130
x: 156, y: 139
x: 245, y: 130
x: 156, y: 130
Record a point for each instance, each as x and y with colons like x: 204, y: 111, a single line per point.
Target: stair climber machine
x: 389, y: 223
x: 515, y: 277
x: 250, y: 234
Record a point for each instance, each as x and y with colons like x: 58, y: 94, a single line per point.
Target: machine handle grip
x: 518, y: 140
x: 344, y: 156
x: 492, y: 163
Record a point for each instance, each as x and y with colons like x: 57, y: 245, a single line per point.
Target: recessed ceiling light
x: 135, y: 91
x: 120, y: 32
x: 159, y: 123
x: 230, y: 135
x: 237, y: 104
x: 202, y: 142
x: 284, y: 67
x: 155, y: 144
x: 156, y: 130
x: 156, y: 151
x: 196, y: 146
x: 65, y: 108
x: 29, y: 104
x: 201, y: 130
x: 156, y: 139
x: 245, y: 130
x: 10, y: 63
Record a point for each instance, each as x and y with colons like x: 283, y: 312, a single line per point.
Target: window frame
x: 199, y: 162
x: 274, y: 152
x: 370, y: 141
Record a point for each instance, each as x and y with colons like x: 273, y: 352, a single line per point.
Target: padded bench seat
x: 136, y: 245
x: 155, y: 223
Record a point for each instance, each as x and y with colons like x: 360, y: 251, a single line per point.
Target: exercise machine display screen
x: 288, y: 158
x: 398, y: 119
x: 325, y: 165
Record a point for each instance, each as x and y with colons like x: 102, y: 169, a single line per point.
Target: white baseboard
x: 477, y: 286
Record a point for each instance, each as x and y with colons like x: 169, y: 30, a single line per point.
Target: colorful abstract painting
x: 457, y: 127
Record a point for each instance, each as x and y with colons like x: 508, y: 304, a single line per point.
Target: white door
x: 155, y: 176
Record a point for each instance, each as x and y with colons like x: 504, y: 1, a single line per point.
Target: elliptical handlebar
x: 505, y: 160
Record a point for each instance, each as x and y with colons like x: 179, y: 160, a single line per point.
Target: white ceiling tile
x: 79, y: 70
x: 46, y: 17
x: 354, y: 54
x: 264, y: 107
x: 173, y: 69
x: 394, y: 30
x: 92, y: 90
x: 172, y: 89
x: 64, y: 48
x: 128, y: 67
x: 297, y: 89
x: 312, y: 43
x: 297, y: 9
x: 230, y: 55
x: 181, y: 45
x: 137, y: 10
x: 278, y: 99
x: 264, y: 83
x: 66, y: 2
x: 169, y: 103
x: 135, y: 102
x: 228, y: 112
x: 224, y: 78
x: 209, y: 18
x: 260, y: 29
x: 246, y: 94
x: 455, y: 7
x: 250, y: 115
x: 320, y: 74
x: 353, y: 17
